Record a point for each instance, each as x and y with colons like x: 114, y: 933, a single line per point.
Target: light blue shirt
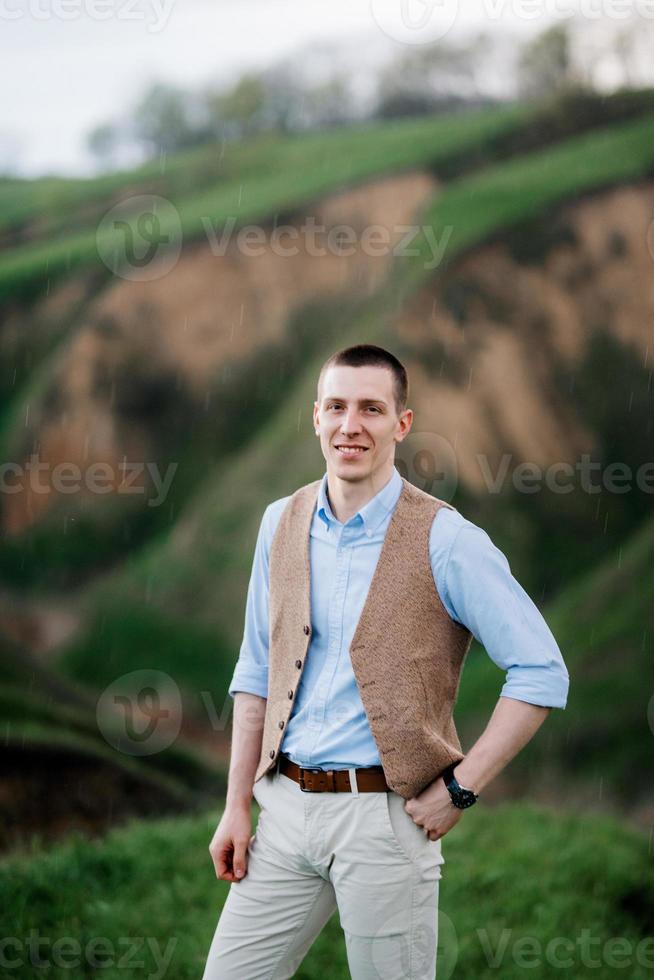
x: 328, y: 727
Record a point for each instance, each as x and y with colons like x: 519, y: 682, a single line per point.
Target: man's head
x: 362, y: 396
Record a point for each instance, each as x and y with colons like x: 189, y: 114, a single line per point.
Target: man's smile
x: 345, y: 449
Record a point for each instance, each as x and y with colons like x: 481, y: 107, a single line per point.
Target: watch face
x: 461, y: 797
x: 464, y: 798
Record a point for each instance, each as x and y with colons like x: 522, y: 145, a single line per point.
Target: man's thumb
x: 239, y: 861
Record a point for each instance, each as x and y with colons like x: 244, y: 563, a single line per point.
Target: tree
x: 103, y: 142
x: 546, y: 66
x: 239, y: 111
x: 164, y: 119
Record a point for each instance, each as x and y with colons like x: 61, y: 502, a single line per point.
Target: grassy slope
x: 54, y: 222
x: 42, y: 712
x: 486, y: 203
x: 182, y: 174
x: 510, y: 872
x: 250, y: 182
x: 471, y: 208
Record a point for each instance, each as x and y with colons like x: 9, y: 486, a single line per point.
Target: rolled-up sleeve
x: 479, y: 591
x: 251, y: 671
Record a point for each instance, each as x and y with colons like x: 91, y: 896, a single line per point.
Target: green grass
x: 497, y: 198
x: 42, y: 710
x: 515, y: 878
x: 352, y: 149
x: 267, y: 175
x: 131, y: 636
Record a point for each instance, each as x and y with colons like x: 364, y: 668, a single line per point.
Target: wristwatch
x: 460, y: 796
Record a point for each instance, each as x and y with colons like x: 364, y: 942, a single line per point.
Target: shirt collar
x: 372, y: 513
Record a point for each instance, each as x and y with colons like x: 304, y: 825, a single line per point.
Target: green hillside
x: 489, y: 203
x: 262, y: 179
x: 150, y: 891
x: 250, y: 181
x: 67, y: 768
x: 489, y: 200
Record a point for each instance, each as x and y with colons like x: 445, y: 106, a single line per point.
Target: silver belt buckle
x: 303, y: 769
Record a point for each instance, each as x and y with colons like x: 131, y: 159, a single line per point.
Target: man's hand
x: 229, y: 845
x: 433, y: 810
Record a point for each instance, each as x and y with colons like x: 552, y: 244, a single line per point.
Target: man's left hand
x: 433, y: 810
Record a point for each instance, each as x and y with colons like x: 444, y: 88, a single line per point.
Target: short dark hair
x: 368, y: 355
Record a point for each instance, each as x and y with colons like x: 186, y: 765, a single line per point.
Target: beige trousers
x: 313, y: 853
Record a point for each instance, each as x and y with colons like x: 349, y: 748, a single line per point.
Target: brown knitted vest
x: 407, y: 653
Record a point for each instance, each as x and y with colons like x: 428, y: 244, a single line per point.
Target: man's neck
x: 346, y: 497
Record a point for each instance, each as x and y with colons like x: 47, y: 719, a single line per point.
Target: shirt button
x: 298, y: 664
x: 290, y: 694
x: 280, y: 724
x: 272, y: 753
x: 307, y: 630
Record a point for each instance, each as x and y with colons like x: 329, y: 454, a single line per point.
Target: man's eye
x: 372, y: 408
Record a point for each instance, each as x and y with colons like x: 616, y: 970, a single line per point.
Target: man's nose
x: 351, y: 424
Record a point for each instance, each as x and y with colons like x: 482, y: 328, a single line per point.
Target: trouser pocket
x: 407, y: 837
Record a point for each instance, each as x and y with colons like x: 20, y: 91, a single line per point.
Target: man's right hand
x: 229, y: 845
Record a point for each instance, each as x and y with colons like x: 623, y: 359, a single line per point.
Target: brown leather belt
x: 370, y: 779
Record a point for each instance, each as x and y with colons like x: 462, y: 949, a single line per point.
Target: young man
x: 364, y: 597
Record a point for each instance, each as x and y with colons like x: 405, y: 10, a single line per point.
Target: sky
x: 73, y: 64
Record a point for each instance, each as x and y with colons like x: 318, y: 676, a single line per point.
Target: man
x: 364, y: 597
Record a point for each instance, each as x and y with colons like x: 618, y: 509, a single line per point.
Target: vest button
x: 298, y: 664
x: 280, y: 724
x: 307, y: 630
x: 272, y: 753
x: 290, y: 694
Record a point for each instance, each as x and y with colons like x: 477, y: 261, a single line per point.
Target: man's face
x: 357, y: 410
